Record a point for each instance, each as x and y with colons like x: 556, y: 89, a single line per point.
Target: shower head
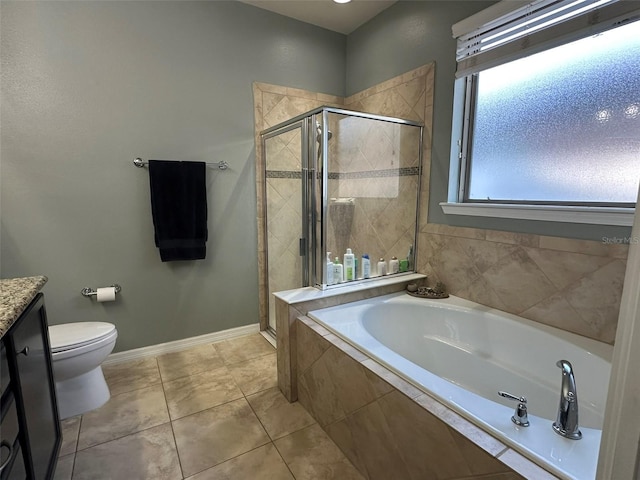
x: 319, y: 130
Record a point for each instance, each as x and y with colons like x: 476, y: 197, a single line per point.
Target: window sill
x: 548, y: 213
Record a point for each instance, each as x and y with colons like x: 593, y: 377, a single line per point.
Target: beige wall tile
x: 392, y: 379
x: 530, y: 286
x: 564, y: 268
x: 524, y: 239
x: 342, y: 436
x: 311, y: 345
x: 377, y: 447
x: 557, y: 312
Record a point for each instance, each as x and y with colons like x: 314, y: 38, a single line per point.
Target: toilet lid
x: 74, y: 335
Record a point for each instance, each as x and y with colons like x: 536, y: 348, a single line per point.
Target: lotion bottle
x: 394, y: 265
x: 329, y: 268
x: 366, y: 266
x: 382, y: 267
x: 337, y: 271
x: 349, y: 266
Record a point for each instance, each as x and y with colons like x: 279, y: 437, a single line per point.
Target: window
x: 548, y: 117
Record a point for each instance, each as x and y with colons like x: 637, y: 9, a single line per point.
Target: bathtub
x: 463, y: 353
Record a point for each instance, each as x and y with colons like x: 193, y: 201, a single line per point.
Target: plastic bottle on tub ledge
x: 366, y: 266
x: 349, y: 266
x: 394, y: 265
x: 337, y: 271
x: 329, y: 267
x: 382, y: 267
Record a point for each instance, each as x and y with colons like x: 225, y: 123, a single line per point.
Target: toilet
x: 78, y: 350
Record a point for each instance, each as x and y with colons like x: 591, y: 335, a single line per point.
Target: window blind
x: 500, y: 35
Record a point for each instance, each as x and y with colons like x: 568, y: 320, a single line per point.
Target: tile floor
x: 210, y: 412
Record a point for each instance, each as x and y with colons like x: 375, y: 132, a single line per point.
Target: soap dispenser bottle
x: 337, y: 271
x: 349, y: 266
x: 329, y: 268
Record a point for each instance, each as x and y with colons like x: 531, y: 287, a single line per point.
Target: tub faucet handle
x: 520, y: 417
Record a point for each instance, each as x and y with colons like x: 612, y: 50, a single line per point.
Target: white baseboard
x: 155, y: 350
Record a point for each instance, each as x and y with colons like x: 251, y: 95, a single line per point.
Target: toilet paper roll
x: 106, y: 294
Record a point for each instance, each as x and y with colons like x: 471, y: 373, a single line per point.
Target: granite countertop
x: 16, y: 295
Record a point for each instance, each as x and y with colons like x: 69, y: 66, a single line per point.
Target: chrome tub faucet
x: 566, y: 423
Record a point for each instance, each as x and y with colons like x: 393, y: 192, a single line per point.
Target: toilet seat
x: 70, y: 336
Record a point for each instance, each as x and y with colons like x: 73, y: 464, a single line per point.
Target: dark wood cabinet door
x: 30, y: 362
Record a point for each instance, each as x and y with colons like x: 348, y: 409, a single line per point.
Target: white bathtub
x: 462, y: 353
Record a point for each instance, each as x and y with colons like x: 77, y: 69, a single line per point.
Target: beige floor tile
x: 311, y: 455
x: 70, y: 430
x: 64, y: 468
x: 128, y: 376
x: 243, y: 348
x: 195, y: 393
x: 150, y: 454
x: 278, y: 416
x: 255, y: 375
x: 208, y: 438
x: 124, y: 414
x: 195, y: 360
x: 263, y: 462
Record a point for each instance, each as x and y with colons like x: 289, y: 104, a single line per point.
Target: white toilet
x: 78, y: 350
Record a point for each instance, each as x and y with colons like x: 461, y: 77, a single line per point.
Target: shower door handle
x: 303, y: 247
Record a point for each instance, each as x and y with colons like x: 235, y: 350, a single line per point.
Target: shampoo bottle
x: 382, y: 267
x: 394, y: 265
x: 366, y: 266
x: 349, y: 266
x: 329, y: 268
x: 337, y: 271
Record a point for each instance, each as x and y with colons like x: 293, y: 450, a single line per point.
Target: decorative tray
x: 426, y: 292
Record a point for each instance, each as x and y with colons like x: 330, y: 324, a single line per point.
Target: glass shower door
x: 285, y: 157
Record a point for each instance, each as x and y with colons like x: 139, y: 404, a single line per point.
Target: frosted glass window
x: 561, y: 126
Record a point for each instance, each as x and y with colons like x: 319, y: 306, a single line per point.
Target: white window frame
x: 472, y: 58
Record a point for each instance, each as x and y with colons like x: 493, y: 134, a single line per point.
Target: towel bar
x: 222, y: 165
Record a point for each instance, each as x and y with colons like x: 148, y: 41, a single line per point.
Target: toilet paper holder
x: 88, y: 291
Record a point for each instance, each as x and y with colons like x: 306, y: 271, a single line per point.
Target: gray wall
x: 88, y: 86
x: 410, y: 34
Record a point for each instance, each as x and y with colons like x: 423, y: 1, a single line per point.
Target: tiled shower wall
x: 380, y: 222
x: 372, y: 186
x: 574, y: 285
x: 282, y: 197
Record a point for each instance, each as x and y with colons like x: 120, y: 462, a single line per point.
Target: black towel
x: 179, y: 209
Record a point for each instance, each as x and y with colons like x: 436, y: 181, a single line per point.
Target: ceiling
x: 341, y: 18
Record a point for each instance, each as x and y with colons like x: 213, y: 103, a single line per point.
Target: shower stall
x: 338, y: 179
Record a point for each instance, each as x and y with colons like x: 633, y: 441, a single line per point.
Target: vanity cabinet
x: 31, y: 434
